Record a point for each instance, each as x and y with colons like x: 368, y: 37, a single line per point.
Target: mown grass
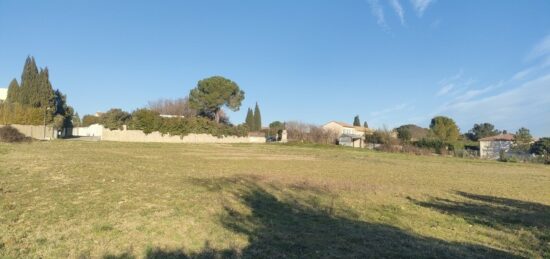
x: 128, y: 200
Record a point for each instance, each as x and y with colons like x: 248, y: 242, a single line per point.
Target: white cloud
x: 421, y: 5
x: 445, y: 89
x: 398, y: 10
x: 378, y: 13
x: 526, y: 105
x: 541, y: 49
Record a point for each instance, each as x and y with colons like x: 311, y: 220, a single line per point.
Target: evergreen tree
x: 257, y: 118
x: 250, y: 119
x: 356, y: 121
x: 13, y: 92
x: 365, y: 124
x: 76, y: 120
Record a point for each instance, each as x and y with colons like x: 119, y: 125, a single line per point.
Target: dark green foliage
x: 356, y: 121
x: 415, y: 131
x: 145, y: 120
x: 541, y: 147
x: 276, y: 125
x: 13, y: 92
x: 15, y: 113
x: 214, y: 92
x: 431, y: 143
x: 365, y: 124
x: 250, y: 119
x: 482, y: 130
x: 444, y: 128
x: 36, y: 92
x: 114, y: 119
x: 523, y: 136
x: 149, y: 121
x: 257, y: 118
x: 10, y: 134
x: 88, y: 120
x: 403, y: 134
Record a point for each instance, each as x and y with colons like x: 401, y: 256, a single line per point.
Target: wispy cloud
x: 378, y: 13
x: 421, y: 5
x: 398, y: 10
x: 525, y: 105
x: 541, y: 49
x: 395, y: 108
x: 445, y: 89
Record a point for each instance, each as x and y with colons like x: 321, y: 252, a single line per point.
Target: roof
x: 3, y: 93
x: 500, y: 137
x: 347, y: 125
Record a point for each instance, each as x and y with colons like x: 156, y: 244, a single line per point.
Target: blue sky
x: 391, y: 62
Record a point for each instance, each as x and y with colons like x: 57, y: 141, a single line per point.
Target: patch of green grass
x: 131, y: 200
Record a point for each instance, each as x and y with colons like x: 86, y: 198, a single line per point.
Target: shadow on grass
x: 292, y: 227
x: 502, y: 214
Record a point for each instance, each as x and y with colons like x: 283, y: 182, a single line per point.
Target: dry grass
x: 123, y: 200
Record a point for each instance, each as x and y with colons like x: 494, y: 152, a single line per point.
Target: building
x: 490, y: 147
x: 3, y: 94
x: 347, y: 134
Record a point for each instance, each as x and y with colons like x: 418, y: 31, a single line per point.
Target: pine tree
x: 356, y: 121
x: 257, y: 118
x: 13, y: 92
x: 249, y: 119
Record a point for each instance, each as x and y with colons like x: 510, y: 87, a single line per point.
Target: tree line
x: 34, y: 101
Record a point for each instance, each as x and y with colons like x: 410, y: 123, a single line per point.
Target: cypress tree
x: 257, y: 118
x: 13, y: 92
x: 356, y: 121
x: 365, y: 124
x: 250, y: 119
x: 28, y: 90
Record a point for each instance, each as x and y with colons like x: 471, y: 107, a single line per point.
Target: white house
x: 3, y: 94
x: 490, y: 147
x: 348, y: 135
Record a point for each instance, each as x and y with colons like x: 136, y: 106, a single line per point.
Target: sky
x: 391, y: 62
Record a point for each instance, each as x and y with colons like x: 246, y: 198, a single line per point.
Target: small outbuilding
x: 490, y: 147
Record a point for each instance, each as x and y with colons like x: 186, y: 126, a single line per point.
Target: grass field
x: 122, y: 200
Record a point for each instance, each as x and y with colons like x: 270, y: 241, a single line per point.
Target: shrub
x: 541, y: 146
x: 114, y: 119
x: 10, y: 134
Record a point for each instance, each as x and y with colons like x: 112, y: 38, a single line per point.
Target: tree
x: 415, y: 131
x: 523, y: 140
x: 365, y: 124
x: 88, y: 120
x: 444, y: 128
x: 212, y: 93
x: 356, y: 121
x: 541, y: 147
x: 76, y: 120
x: 114, y: 119
x: 404, y: 134
x: 276, y: 125
x: 257, y: 118
x: 250, y: 119
x: 13, y: 92
x: 482, y: 130
x: 177, y: 107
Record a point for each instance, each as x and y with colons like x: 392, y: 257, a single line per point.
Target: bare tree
x: 299, y: 131
x: 177, y: 107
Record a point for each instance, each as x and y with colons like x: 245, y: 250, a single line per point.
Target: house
x: 490, y: 147
x: 3, y: 94
x: 348, y: 135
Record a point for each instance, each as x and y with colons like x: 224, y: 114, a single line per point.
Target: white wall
x: 3, y: 94
x: 94, y: 130
x: 491, y: 149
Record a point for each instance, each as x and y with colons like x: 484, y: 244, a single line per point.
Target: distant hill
x: 417, y: 132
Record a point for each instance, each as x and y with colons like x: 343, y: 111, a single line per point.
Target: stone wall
x: 36, y: 132
x: 139, y: 136
x: 94, y: 130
